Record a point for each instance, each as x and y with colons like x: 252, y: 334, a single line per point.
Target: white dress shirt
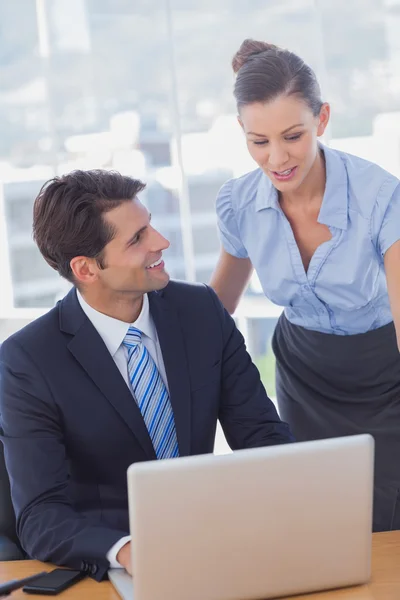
x: 113, y: 331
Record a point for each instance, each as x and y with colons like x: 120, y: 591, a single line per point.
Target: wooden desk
x: 87, y: 589
x: 384, y: 584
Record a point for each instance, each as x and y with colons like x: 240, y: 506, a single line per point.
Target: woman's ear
x: 323, y: 118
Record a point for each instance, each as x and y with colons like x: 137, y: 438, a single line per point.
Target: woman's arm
x: 230, y: 279
x: 392, y: 269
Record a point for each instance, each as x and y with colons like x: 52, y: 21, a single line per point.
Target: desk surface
x: 384, y: 584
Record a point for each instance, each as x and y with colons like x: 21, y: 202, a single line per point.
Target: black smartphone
x: 54, y: 582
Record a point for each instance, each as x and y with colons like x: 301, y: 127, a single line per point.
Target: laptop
x: 257, y: 523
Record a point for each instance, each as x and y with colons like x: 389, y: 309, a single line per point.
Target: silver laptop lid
x: 257, y: 523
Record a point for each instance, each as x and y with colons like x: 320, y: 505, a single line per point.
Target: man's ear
x: 85, y: 269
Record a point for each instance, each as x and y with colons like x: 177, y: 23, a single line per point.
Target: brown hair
x: 68, y: 215
x: 265, y: 71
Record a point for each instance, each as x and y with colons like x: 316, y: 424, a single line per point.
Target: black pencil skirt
x: 329, y: 386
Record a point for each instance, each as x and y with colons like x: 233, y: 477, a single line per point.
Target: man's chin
x: 159, y: 281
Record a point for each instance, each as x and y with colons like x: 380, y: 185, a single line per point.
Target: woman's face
x: 282, y: 138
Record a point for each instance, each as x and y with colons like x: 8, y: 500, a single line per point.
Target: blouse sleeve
x: 386, y: 223
x: 227, y: 223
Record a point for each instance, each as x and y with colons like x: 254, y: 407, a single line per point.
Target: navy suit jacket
x: 72, y: 428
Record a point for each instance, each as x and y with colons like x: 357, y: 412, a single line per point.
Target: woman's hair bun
x: 247, y: 49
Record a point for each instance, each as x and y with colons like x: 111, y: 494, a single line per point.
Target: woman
x: 322, y: 230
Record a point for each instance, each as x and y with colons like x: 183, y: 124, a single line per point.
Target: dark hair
x: 265, y: 71
x: 67, y: 215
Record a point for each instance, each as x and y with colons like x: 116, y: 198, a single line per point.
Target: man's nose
x: 159, y: 242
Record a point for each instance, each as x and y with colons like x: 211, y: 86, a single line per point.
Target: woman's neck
x: 312, y: 189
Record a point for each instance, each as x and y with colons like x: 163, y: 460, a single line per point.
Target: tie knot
x: 133, y: 337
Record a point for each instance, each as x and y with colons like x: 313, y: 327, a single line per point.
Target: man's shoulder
x: 195, y: 306
x: 35, y: 334
x: 193, y: 300
x: 180, y: 292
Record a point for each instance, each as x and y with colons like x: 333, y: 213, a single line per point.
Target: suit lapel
x: 90, y: 351
x: 173, y: 350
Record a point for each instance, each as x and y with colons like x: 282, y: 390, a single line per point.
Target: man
x: 127, y: 367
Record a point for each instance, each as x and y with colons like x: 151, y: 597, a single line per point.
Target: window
x: 145, y: 87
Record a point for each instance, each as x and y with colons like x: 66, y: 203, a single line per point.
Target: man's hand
x: 124, y: 557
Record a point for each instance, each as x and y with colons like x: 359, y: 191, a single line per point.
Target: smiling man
x: 128, y: 367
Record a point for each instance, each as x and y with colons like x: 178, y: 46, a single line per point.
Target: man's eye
x: 135, y: 240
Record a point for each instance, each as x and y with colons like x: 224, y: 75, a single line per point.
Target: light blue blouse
x: 344, y: 290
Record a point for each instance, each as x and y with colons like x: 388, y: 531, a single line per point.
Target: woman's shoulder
x: 365, y: 173
x: 240, y: 191
x: 358, y: 166
x: 368, y: 182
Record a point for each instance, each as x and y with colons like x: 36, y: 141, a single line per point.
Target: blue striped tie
x: 151, y: 396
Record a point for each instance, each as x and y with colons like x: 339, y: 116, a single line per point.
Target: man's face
x: 133, y: 259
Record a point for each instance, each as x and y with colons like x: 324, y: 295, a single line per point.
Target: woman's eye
x: 293, y: 138
x: 260, y: 143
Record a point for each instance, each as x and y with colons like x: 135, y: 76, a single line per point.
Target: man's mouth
x: 156, y: 264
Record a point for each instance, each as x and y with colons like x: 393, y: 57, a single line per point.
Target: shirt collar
x: 334, y: 208
x: 267, y: 195
x: 113, y: 331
